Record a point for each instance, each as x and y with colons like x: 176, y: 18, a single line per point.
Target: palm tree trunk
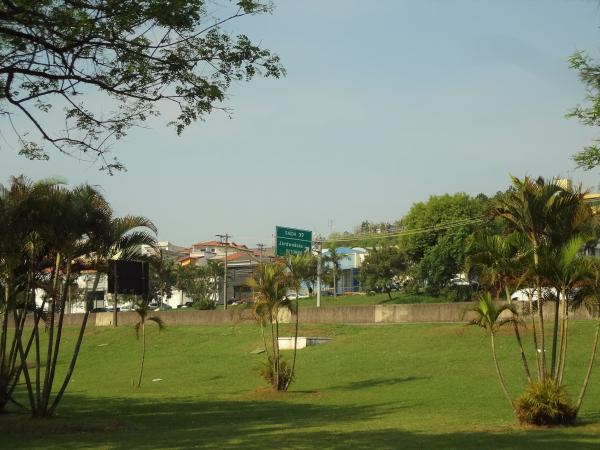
x: 561, y: 344
x: 4, y: 336
x: 523, y: 356
x: 518, y: 337
x: 71, y: 365
x: 275, y: 347
x: 334, y: 282
x: 289, y: 381
x: 553, y: 364
x: 278, y: 359
x: 586, y: 380
x: 61, y: 316
x: 45, y: 393
x: 500, y: 378
x: 535, y: 340
x: 139, y: 384
x: 262, y: 334
x: 563, y: 356
x: 34, y: 406
x: 542, y: 350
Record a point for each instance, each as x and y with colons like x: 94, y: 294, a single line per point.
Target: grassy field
x: 375, y: 299
x: 410, y: 386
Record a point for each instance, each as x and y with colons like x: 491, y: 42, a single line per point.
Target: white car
x: 523, y: 295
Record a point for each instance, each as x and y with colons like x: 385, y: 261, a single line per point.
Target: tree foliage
x: 589, y: 73
x: 139, y: 55
x: 438, y: 254
x: 49, y: 235
x: 545, y: 228
x: 200, y: 283
x: 381, y: 269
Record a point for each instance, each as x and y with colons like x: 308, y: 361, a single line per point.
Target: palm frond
x: 158, y: 321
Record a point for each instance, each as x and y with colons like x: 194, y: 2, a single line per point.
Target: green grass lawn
x: 413, y: 386
x: 374, y: 299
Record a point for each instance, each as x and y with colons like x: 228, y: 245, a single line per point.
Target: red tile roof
x: 219, y: 244
x: 237, y: 255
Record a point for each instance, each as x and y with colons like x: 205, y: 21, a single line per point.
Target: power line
x: 428, y: 229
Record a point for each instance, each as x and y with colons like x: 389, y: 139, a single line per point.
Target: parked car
x: 99, y: 309
x: 522, y: 295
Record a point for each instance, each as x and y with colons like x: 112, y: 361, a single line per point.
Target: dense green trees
x: 436, y: 252
x: 381, y: 268
x: 137, y: 55
x: 200, y: 283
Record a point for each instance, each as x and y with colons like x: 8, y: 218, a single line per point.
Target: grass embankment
x: 374, y: 299
x: 373, y: 387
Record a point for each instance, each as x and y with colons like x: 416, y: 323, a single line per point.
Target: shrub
x: 545, y: 403
x: 204, y: 304
x: 285, y: 374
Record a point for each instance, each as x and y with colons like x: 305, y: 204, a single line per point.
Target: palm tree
x: 270, y: 287
x: 299, y: 267
x: 334, y: 259
x: 545, y: 213
x: 565, y: 268
x: 123, y: 240
x: 500, y: 261
x: 589, y: 296
x: 488, y: 316
x: 143, y: 310
x: 17, y: 216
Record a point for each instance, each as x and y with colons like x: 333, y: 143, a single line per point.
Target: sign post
x: 292, y: 241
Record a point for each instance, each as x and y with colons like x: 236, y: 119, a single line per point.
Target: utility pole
x: 224, y: 240
x: 261, y: 247
x: 318, y: 245
x: 115, y: 316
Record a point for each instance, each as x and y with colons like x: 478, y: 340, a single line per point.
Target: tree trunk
x: 4, y: 336
x: 553, y: 364
x: 334, y: 282
x: 586, y: 380
x: 519, y: 341
x: 71, y: 365
x: 275, y: 348
x: 139, y: 384
x: 4, y: 379
x: 563, y: 355
x: 61, y: 316
x: 278, y: 359
x: 542, y: 334
x: 523, y: 356
x: 288, y: 382
x: 535, y: 340
x: 500, y: 378
x: 45, y: 384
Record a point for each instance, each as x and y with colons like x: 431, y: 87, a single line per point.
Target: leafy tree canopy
x: 140, y: 55
x: 589, y: 73
x: 380, y: 268
x: 439, y: 253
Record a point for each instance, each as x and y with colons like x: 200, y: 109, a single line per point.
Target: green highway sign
x: 292, y: 241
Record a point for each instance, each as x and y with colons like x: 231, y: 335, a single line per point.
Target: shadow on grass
x: 375, y: 382
x: 121, y: 423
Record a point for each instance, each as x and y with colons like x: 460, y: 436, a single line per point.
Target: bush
x: 285, y: 374
x: 204, y: 304
x: 545, y: 403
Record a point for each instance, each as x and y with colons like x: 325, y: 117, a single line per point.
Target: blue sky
x: 385, y: 103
